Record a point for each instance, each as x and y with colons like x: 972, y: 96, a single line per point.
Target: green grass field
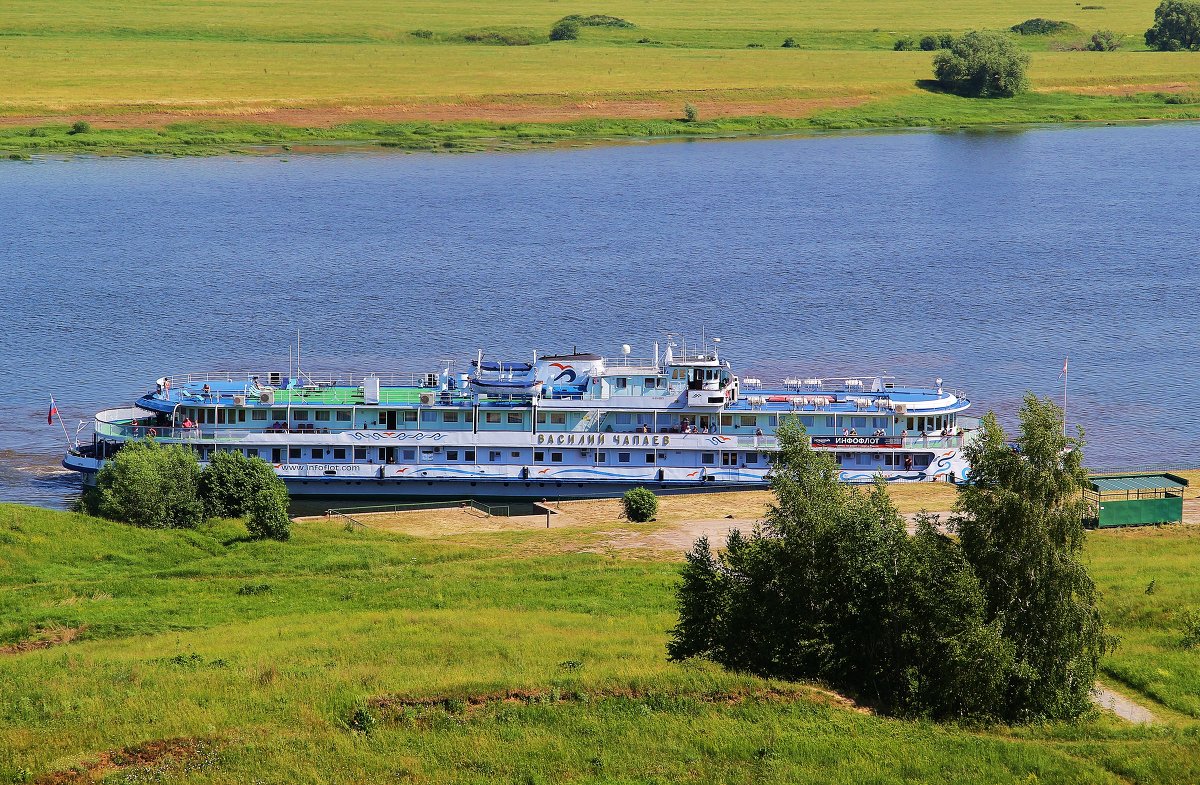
x: 147, y: 65
x: 489, y: 657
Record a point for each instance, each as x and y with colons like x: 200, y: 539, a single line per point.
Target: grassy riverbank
x: 182, y: 78
x: 514, y: 656
x: 916, y: 111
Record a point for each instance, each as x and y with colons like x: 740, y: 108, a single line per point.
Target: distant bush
x: 1191, y: 629
x: 639, y: 505
x: 1180, y: 98
x: 1176, y: 27
x: 928, y: 43
x: 754, y: 45
x: 1092, y: 8
x: 599, y: 20
x: 690, y: 113
x: 267, y: 515
x: 982, y: 65
x: 1041, y: 26
x: 252, y: 589
x: 231, y: 481
x: 80, y: 127
x: 789, y: 43
x: 426, y: 34
x: 149, y: 485
x: 498, y: 37
x: 903, y: 44
x: 38, y: 132
x: 945, y: 41
x: 1104, y: 41
x: 565, y: 29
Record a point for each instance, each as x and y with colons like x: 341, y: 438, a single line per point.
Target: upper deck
x: 623, y: 384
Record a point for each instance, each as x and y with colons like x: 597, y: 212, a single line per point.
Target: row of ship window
x: 730, y: 458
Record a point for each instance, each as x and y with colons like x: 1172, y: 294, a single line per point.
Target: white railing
x: 317, y: 379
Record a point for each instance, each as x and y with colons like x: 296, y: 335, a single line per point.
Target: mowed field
x: 323, y: 63
x: 481, y: 656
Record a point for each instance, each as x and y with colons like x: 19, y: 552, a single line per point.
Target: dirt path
x: 1121, y: 706
x: 553, y: 109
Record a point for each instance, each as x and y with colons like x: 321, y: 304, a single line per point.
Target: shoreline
x: 922, y: 111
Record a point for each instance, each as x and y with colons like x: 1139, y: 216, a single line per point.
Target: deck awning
x: 1137, y: 482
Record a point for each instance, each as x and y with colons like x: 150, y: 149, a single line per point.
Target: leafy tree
x: 231, y: 480
x: 1176, y: 26
x: 789, y: 43
x: 690, y: 113
x: 928, y: 43
x: 945, y: 40
x: 1020, y: 522
x: 150, y: 485
x: 982, y: 65
x: 267, y: 514
x: 832, y: 588
x: 639, y: 505
x: 565, y: 29
x: 903, y: 44
x: 1104, y: 41
x: 80, y: 127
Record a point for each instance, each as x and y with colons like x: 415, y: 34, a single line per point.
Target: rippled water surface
x: 980, y: 258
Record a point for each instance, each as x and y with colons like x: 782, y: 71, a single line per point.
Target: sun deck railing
x: 281, y: 380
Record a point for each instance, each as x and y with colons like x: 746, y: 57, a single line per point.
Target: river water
x: 981, y: 258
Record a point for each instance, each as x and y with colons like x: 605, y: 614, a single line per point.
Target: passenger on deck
x: 854, y: 432
x: 206, y: 391
x: 758, y: 431
x: 845, y: 432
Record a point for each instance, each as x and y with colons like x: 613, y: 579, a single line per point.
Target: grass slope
x: 142, y: 66
x: 481, y: 658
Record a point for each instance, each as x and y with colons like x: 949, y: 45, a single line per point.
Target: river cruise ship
x: 562, y: 426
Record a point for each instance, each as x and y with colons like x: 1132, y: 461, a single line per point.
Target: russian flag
x: 53, y: 411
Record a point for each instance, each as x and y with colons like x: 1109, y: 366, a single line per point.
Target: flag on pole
x: 53, y: 411
x: 1065, y: 360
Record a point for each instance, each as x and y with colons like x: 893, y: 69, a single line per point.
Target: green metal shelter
x: 1135, y: 499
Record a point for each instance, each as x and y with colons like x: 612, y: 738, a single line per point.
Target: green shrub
x: 982, y: 65
x: 754, y: 45
x: 599, y: 20
x: 80, y: 127
x: 903, y: 44
x: 149, y: 485
x: 498, y: 37
x: 425, y: 34
x: 789, y: 43
x: 38, y: 132
x: 639, y: 505
x: 565, y: 29
x: 945, y: 41
x: 267, y: 515
x: 1104, y: 41
x: 1176, y: 27
x: 1190, y: 622
x: 231, y: 480
x: 928, y: 43
x: 690, y: 113
x: 1041, y: 26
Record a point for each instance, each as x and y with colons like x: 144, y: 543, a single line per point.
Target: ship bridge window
x: 678, y: 374
x: 516, y: 418
x: 621, y: 382
x: 321, y: 415
x: 652, y: 382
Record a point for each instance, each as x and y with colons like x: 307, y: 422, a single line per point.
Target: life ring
x: 152, y: 432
